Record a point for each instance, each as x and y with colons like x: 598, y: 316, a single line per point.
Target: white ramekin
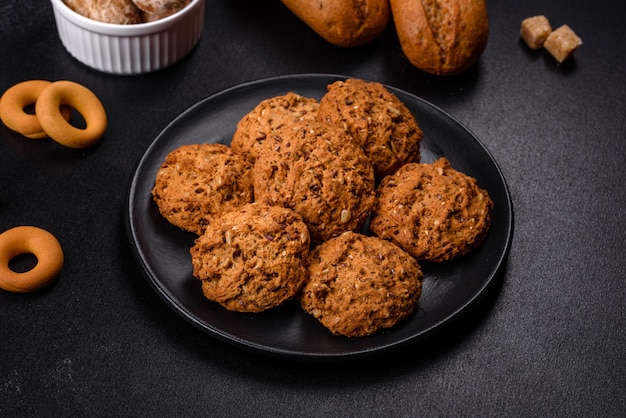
x: 129, y: 49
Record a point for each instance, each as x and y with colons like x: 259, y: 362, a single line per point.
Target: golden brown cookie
x: 196, y: 182
x: 315, y: 169
x: 432, y: 211
x: 376, y: 119
x: 252, y: 258
x: 270, y: 114
x: 360, y: 284
x: 120, y: 12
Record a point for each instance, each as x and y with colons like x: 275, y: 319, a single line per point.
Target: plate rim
x: 173, y: 303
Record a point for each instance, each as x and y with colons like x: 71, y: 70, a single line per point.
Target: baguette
x: 441, y: 37
x: 344, y: 23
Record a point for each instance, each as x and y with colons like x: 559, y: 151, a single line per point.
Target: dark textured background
x: 548, y: 341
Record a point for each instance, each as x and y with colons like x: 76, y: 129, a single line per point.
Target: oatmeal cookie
x: 360, y: 284
x: 198, y: 181
x: 376, y: 119
x: 432, y: 211
x: 315, y: 169
x: 252, y: 258
x: 256, y: 126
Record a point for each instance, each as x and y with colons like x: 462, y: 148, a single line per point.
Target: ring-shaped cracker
x: 80, y: 98
x: 16, y: 99
x: 29, y: 240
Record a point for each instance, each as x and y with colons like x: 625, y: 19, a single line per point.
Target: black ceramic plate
x: 163, y: 250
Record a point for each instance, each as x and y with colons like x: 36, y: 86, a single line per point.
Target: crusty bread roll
x: 442, y: 37
x: 344, y: 23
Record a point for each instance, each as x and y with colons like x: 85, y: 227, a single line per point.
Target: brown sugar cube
x: 562, y: 43
x: 535, y: 30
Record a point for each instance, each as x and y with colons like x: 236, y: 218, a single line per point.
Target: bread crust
x: 344, y: 23
x: 441, y: 37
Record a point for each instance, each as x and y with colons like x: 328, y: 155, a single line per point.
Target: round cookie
x: 432, y: 211
x: 198, y: 181
x: 360, y: 284
x: 316, y: 169
x: 376, y: 119
x: 252, y: 258
x: 270, y: 114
